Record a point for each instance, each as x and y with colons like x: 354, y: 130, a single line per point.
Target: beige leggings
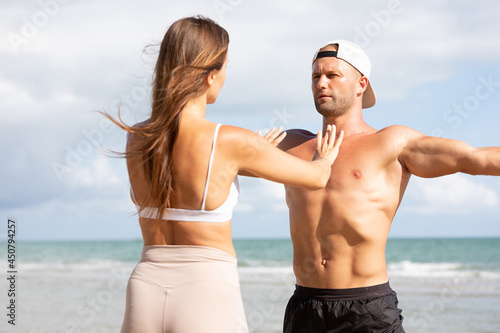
x: 184, y: 289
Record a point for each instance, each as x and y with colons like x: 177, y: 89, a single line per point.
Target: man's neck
x: 352, y: 123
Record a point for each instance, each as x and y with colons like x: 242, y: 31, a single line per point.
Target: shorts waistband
x: 343, y: 294
x: 185, y: 253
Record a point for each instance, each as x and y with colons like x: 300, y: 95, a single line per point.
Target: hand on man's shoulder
x: 295, y: 137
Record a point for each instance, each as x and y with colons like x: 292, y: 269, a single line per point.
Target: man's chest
x: 364, y: 165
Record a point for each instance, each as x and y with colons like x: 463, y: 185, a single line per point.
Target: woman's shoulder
x: 236, y: 140
x: 141, y: 124
x: 231, y: 132
x: 132, y: 138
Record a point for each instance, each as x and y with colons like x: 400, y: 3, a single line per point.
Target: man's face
x: 334, y: 84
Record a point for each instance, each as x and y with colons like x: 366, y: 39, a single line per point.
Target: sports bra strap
x: 210, y: 166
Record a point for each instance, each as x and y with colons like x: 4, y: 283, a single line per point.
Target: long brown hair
x: 191, y: 48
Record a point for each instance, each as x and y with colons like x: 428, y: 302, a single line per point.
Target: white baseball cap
x: 357, y: 58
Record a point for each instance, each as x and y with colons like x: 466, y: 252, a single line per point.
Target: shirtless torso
x: 340, y: 232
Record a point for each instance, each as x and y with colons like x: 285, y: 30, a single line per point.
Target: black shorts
x: 357, y: 310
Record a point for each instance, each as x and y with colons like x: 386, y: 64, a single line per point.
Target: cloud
x: 77, y: 57
x: 261, y: 195
x: 451, y: 195
x: 410, y: 47
x: 100, y: 174
x: 428, y: 42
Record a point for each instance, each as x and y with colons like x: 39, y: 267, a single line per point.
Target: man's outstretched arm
x: 428, y: 157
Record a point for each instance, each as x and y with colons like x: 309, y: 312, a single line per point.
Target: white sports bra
x: 223, y: 213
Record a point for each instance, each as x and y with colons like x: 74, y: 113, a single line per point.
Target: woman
x: 183, y: 174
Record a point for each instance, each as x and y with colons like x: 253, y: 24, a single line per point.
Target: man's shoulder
x: 395, y: 128
x: 394, y: 140
x: 299, y: 133
x: 398, y: 131
x: 296, y: 137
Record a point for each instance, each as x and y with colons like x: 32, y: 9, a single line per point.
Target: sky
x: 435, y: 68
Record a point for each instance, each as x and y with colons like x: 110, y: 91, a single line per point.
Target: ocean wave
x: 268, y: 270
x: 257, y: 274
x: 276, y: 270
x: 409, y: 268
x: 262, y: 263
x: 91, y: 265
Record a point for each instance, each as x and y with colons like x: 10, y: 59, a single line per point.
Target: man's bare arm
x: 428, y: 157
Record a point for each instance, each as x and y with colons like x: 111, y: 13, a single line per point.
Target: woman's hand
x: 258, y: 156
x: 273, y: 136
x: 327, y: 147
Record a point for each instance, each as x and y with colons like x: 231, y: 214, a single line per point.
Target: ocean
x: 443, y: 285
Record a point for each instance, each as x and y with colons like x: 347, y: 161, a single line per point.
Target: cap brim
x: 368, y: 97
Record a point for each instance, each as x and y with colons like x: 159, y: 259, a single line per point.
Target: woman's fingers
x: 274, y: 136
x: 319, y: 143
x: 328, y: 145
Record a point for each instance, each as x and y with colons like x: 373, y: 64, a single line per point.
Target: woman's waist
x: 178, y: 265
x: 187, y: 234
x: 185, y: 253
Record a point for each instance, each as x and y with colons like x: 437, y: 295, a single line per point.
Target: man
x: 339, y: 233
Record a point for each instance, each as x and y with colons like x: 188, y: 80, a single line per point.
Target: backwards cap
x: 357, y: 58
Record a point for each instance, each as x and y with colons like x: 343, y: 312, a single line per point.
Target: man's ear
x: 363, y: 83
